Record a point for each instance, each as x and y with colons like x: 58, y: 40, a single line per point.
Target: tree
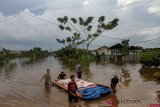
x: 136, y: 48
x: 83, y: 31
x: 125, y: 47
x: 70, y: 41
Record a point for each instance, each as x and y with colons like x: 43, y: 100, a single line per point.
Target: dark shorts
x: 72, y: 97
x: 46, y: 83
x: 113, y: 86
x: 79, y: 75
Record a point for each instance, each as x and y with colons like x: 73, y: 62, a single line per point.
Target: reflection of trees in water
x: 64, y: 64
x: 47, y: 90
x: 125, y: 77
x: 9, y: 69
x: 102, y: 102
x: 102, y: 62
x: 30, y: 61
x: 148, y: 74
x: 158, y: 96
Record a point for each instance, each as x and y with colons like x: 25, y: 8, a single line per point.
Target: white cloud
x: 124, y: 2
x: 25, y: 28
x: 154, y: 7
x: 124, y: 5
x: 151, y: 30
x: 29, y: 31
x: 85, y: 2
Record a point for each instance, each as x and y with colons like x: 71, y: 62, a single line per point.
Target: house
x: 117, y: 53
x: 117, y: 50
x: 104, y: 50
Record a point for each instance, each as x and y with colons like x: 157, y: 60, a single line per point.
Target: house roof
x: 116, y: 46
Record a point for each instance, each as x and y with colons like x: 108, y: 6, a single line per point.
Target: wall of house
x: 104, y: 50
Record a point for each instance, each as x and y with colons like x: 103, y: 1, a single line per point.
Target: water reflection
x: 125, y: 77
x: 47, y: 91
x: 105, y: 101
x: 158, y: 96
x: 102, y: 62
x: 8, y: 69
x: 26, y: 74
x: 30, y: 61
x: 148, y: 74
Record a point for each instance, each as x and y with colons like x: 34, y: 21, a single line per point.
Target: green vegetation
x: 36, y: 52
x: 82, y: 33
x: 82, y: 30
x: 125, y: 47
x: 150, y: 58
x: 2, y: 57
x: 73, y: 55
x: 5, y: 55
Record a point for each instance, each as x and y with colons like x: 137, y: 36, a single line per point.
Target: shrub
x: 149, y: 59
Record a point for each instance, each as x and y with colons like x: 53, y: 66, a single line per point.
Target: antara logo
x: 113, y: 102
x: 129, y: 101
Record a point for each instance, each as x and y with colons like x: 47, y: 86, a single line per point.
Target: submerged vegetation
x: 74, y: 55
x: 36, y: 52
x: 150, y: 58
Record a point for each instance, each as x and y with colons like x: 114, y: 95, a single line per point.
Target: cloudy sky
x: 20, y: 27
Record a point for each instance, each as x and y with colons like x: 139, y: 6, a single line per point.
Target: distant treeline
x: 36, y: 52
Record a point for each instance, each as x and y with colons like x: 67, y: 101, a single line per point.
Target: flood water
x: 20, y: 84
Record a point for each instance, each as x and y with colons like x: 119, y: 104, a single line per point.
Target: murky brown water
x: 20, y: 84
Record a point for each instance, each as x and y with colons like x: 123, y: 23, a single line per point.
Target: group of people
x: 62, y: 75
x: 72, y: 86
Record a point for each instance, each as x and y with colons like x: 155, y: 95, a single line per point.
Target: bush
x: 72, y: 62
x: 85, y: 59
x: 149, y: 59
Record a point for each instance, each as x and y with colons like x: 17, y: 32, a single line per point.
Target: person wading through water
x: 79, y: 71
x: 46, y: 77
x: 72, y: 88
x: 114, y: 82
x: 62, y: 75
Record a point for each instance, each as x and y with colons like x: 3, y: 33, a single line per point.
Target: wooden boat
x: 82, y: 94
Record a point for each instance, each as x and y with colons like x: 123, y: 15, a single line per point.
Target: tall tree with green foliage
x: 84, y: 31
x: 125, y: 47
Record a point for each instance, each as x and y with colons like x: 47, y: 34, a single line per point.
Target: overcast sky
x: 139, y: 21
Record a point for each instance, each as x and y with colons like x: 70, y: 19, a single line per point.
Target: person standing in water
x: 47, y: 77
x: 114, y: 82
x: 72, y: 88
x: 79, y: 71
x: 62, y: 75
